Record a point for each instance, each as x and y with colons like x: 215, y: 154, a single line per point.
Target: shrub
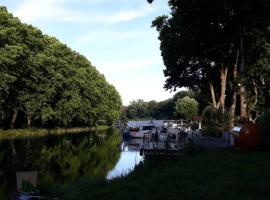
x: 214, y: 122
x: 212, y: 131
x: 264, y: 123
x: 209, y: 117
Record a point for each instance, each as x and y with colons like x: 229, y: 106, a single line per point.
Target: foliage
x: 3, y: 192
x: 202, y: 41
x: 160, y: 110
x: 137, y: 109
x: 264, y: 122
x: 191, y: 177
x: 198, y: 95
x: 45, y: 83
x: 37, y: 132
x: 140, y: 109
x: 212, y: 131
x: 226, y: 120
x: 259, y: 77
x: 27, y: 187
x: 186, y: 107
x: 214, y: 122
x: 59, y: 159
x: 209, y: 117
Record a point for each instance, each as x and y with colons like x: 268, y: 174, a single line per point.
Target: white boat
x: 142, y: 132
x: 132, y: 145
x: 161, y: 148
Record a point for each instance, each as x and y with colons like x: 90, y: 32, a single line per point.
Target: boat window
x: 146, y: 128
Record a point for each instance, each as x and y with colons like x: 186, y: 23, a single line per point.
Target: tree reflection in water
x: 59, y: 160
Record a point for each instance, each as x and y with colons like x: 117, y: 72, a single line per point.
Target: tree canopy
x: 45, y: 83
x: 218, y: 46
x: 139, y: 109
x: 186, y: 108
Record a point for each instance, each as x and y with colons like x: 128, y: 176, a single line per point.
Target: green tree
x: 207, y: 42
x: 186, y: 108
x: 45, y: 83
x: 161, y: 110
x: 138, y: 109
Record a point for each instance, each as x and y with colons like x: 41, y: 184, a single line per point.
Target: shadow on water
x: 58, y: 160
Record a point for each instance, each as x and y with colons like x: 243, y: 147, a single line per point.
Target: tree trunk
x: 14, y: 117
x: 29, y: 119
x: 243, y: 100
x: 29, y: 122
x: 223, y: 83
x: 233, y: 105
x: 252, y: 105
x: 13, y: 149
x: 212, y: 90
x: 243, y: 103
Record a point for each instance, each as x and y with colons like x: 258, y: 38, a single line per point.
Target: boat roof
x: 155, y: 123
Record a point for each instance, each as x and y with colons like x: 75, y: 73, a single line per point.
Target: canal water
x: 129, y: 158
x: 55, y: 161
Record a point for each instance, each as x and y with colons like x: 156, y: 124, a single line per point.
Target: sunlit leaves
x: 48, y: 82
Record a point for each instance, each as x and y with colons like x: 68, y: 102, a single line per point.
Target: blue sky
x: 115, y: 35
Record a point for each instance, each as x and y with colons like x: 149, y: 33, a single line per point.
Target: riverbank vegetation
x: 41, y: 132
x: 45, y: 84
x: 223, y: 174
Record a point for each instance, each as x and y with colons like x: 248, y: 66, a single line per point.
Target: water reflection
x: 62, y: 160
x: 59, y: 160
x: 130, y: 157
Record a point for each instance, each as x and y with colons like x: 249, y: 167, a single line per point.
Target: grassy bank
x: 213, y: 175
x: 36, y: 132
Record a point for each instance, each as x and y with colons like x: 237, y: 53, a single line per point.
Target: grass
x: 37, y: 132
x: 218, y: 174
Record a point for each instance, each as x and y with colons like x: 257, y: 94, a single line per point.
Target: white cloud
x: 133, y: 14
x: 56, y: 10
x: 31, y: 10
x: 127, y: 16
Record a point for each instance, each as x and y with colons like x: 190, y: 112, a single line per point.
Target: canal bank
x: 41, y: 132
x: 93, y: 166
x: 216, y: 174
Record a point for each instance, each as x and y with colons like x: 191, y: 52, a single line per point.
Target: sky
x: 115, y: 35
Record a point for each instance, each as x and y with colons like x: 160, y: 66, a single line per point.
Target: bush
x: 215, y: 122
x: 264, y: 123
x: 209, y: 117
x: 212, y: 131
